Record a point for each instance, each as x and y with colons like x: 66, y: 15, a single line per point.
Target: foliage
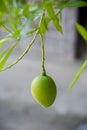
x: 20, y: 19
x: 83, y: 33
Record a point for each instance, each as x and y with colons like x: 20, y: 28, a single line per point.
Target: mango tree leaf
x: 82, y: 31
x: 3, y: 7
x: 73, y: 4
x: 2, y: 23
x: 5, y: 58
x: 19, y: 3
x: 26, y: 11
x: 44, y: 25
x: 54, y: 18
x: 76, y: 77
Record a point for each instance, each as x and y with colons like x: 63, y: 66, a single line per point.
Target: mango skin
x: 44, y: 90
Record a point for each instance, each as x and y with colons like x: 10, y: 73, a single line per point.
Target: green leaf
x: 57, y: 25
x: 53, y: 16
x: 26, y: 11
x: 1, y: 23
x: 2, y: 6
x: 33, y: 8
x: 76, y: 77
x: 73, y: 4
x: 44, y: 25
x: 82, y: 31
x: 5, y: 58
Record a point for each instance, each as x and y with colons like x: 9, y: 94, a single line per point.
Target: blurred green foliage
x: 20, y: 19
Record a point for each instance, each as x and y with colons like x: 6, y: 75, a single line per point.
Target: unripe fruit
x: 44, y: 90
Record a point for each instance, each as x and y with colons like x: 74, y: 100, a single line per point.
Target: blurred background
x: 64, y: 55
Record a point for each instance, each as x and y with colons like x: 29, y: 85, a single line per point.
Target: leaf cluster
x: 20, y: 19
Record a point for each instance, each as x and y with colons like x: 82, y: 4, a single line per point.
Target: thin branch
x: 24, y: 53
x: 43, y: 55
x: 6, y: 29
